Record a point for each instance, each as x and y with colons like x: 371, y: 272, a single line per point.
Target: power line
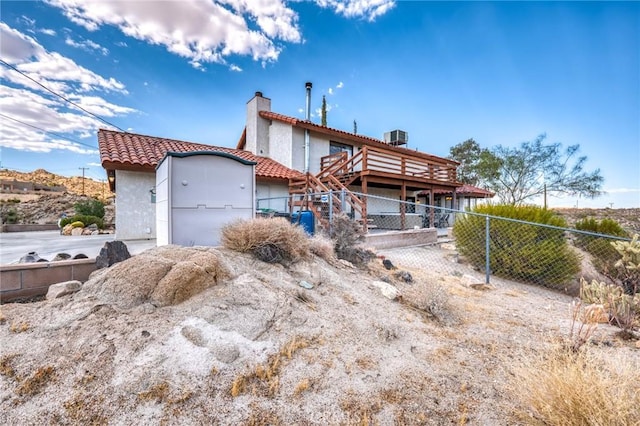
x: 59, y: 95
x: 46, y: 131
x: 83, y: 169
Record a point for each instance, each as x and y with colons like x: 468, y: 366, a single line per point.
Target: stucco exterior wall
x: 135, y: 213
x: 272, y: 196
x: 257, y: 127
x: 281, y: 143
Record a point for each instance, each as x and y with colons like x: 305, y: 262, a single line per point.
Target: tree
x: 90, y: 207
x: 324, y: 111
x: 469, y: 155
x: 535, y: 168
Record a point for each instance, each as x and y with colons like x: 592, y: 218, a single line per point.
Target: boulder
x: 62, y: 289
x: 61, y: 256
x: 67, y: 229
x: 387, y: 290
x: 31, y: 257
x: 112, y: 252
x: 80, y: 256
x: 76, y: 231
x: 86, y: 231
x: 92, y: 227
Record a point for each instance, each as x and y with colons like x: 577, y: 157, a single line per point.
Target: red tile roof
x: 365, y: 140
x: 130, y: 151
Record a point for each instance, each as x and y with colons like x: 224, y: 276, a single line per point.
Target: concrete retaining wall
x: 29, y: 228
x: 34, y: 279
x: 392, y: 239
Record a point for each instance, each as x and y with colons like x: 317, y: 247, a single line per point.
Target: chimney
x: 257, y: 135
x: 308, y: 86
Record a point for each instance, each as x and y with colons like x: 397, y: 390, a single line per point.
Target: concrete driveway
x: 14, y: 245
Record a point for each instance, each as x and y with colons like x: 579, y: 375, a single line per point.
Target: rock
x: 62, y: 289
x: 80, y: 256
x: 404, y: 276
x: 226, y: 352
x: 30, y: 257
x: 387, y: 290
x: 346, y: 263
x: 638, y: 344
x: 86, y: 231
x: 448, y: 246
x: 306, y: 285
x: 112, y: 252
x: 76, y: 231
x: 61, y: 256
x: 387, y: 264
x: 96, y: 232
x: 92, y: 227
x: 67, y: 229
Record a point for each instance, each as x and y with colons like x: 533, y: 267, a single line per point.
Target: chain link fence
x: 467, y: 243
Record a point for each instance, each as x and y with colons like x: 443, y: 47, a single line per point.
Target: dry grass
x: 34, y: 383
x: 430, y: 299
x: 19, y: 327
x: 6, y: 366
x: 570, y: 388
x: 302, y: 386
x: 265, y: 378
x: 3, y: 319
x: 158, y: 393
x: 85, y: 410
x: 322, y: 247
x: 247, y: 236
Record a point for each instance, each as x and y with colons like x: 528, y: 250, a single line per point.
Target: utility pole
x: 83, y: 169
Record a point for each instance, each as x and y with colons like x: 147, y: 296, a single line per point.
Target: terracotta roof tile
x: 130, y: 151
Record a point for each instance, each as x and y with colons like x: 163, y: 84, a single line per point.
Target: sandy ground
x: 255, y: 347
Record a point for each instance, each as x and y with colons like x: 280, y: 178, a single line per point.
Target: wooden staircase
x: 328, y: 191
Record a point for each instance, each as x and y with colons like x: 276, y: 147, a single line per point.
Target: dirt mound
x: 161, y: 276
x: 73, y: 185
x: 167, y: 338
x: 48, y: 207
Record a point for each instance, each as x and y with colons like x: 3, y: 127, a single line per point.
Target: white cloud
x: 330, y: 90
x: 94, y: 164
x: 201, y: 31
x: 87, y: 45
x: 367, y: 9
x: 235, y: 68
x: 47, y: 31
x: 340, y: 85
x: 31, y: 107
x: 121, y: 44
x: 622, y: 190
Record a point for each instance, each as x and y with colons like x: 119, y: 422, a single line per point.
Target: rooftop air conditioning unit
x: 396, y: 137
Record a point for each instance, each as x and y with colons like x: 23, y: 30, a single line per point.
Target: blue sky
x: 500, y: 73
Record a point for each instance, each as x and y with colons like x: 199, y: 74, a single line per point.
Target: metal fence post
x: 330, y: 210
x: 487, y: 254
x: 343, y: 197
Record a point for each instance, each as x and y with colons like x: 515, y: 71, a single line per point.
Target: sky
x: 499, y: 72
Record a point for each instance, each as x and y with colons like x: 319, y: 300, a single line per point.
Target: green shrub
x: 86, y: 221
x: 521, y: 251
x: 90, y: 207
x: 10, y: 216
x: 604, y: 254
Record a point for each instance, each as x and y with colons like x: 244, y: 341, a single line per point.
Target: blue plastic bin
x: 304, y: 219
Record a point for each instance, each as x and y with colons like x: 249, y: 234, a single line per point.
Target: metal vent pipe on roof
x: 307, y: 86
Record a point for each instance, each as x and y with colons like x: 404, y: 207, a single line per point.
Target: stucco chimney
x: 257, y: 127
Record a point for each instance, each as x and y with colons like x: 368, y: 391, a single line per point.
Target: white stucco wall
x: 135, y: 213
x: 272, y: 196
x: 281, y: 143
x: 257, y: 127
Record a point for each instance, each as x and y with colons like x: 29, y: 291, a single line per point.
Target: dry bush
x: 429, y: 299
x: 19, y: 327
x: 275, y: 238
x: 34, y: 383
x: 6, y: 365
x: 158, y: 393
x: 322, y: 247
x: 578, y: 388
x: 347, y: 234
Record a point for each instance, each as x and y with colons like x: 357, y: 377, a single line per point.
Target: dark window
x: 336, y: 147
x: 410, y: 205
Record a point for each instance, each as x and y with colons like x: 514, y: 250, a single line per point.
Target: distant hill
x: 74, y: 185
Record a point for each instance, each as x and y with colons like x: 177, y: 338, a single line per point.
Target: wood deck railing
x: 375, y: 160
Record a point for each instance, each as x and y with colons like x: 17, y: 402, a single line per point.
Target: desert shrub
x: 568, y: 388
x: 629, y: 264
x: 431, y: 300
x: 90, y: 207
x: 322, y: 247
x: 86, y: 221
x: 623, y: 309
x: 273, y: 239
x: 604, y: 254
x: 347, y: 234
x: 10, y: 216
x: 521, y: 251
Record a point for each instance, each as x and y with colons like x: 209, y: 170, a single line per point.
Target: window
x: 410, y: 205
x: 336, y: 147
